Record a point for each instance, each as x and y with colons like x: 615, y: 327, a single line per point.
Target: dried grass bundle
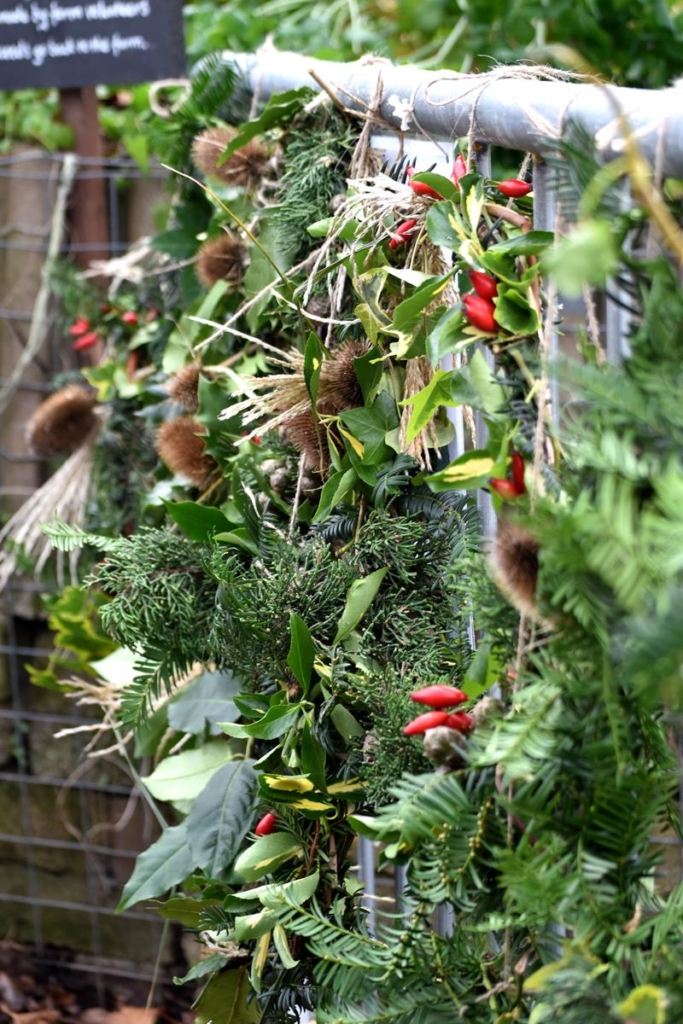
x: 180, y: 447
x: 244, y: 168
x: 183, y: 388
x: 223, y: 258
x: 63, y: 422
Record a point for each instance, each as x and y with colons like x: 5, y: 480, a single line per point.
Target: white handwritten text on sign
x: 53, y: 43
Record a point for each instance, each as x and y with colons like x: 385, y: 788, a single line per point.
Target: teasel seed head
x: 223, y: 258
x: 180, y: 447
x: 183, y: 387
x: 62, y: 422
x: 244, y: 168
x: 300, y: 430
x: 339, y: 387
x: 514, y: 559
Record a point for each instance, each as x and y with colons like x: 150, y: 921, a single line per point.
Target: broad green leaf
x: 183, y: 776
x: 412, y: 308
x: 469, y: 470
x: 313, y: 757
x: 180, y: 344
x: 239, y: 538
x: 371, y: 425
x: 282, y: 947
x: 368, y: 370
x: 646, y: 1004
x: 272, y: 895
x: 276, y: 721
x: 314, y: 353
x: 198, y: 522
x: 529, y: 243
x: 301, y: 651
x: 334, y: 490
x: 515, y: 313
x: 361, y: 595
x: 484, y: 670
x: 427, y: 402
x: 444, y: 186
x: 345, y: 723
x: 258, y: 962
x: 252, y: 926
x: 288, y: 783
x: 185, y: 909
x: 445, y: 337
x: 587, y: 256
x: 221, y: 816
x: 267, y: 854
x: 225, y: 1000
x: 280, y: 109
x: 445, y: 225
x: 490, y: 392
x: 165, y: 863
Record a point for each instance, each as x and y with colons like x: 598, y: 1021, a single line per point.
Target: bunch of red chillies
x: 439, y: 697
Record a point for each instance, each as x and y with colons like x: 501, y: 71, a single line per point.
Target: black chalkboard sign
x: 98, y: 42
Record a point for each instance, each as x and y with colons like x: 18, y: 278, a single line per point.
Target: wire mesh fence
x: 70, y: 826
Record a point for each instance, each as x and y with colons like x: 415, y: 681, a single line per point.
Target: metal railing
x: 516, y: 109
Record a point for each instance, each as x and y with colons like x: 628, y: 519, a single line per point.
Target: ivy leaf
x: 491, y: 394
x: 166, y: 863
x: 368, y: 369
x: 361, y: 595
x: 301, y: 652
x: 198, y: 522
x: 226, y: 999
x: 206, y: 701
x: 267, y: 854
x: 426, y: 402
x: 408, y: 312
x: 220, y: 817
x: 371, y: 425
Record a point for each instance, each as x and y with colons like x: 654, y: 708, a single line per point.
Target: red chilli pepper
x: 505, y: 489
x: 421, y: 188
x: 86, y: 341
x: 460, y: 721
x: 402, y: 233
x: 130, y: 318
x: 484, y: 285
x: 459, y: 169
x: 514, y: 187
x: 79, y: 327
x: 439, y: 696
x: 518, y: 472
x: 429, y: 720
x: 266, y: 825
x: 480, y: 312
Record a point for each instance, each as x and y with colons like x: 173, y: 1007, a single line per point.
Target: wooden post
x: 88, y: 222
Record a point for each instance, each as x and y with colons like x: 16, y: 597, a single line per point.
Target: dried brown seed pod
x: 244, y: 168
x: 339, y: 387
x: 514, y: 559
x: 223, y: 258
x: 180, y: 447
x: 308, y: 438
x: 183, y: 387
x: 62, y: 422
